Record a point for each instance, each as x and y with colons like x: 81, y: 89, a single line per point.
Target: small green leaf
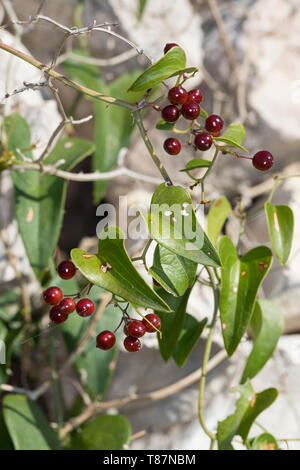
x: 170, y: 64
x: 264, y: 441
x: 203, y: 113
x: 173, y: 224
x: 27, y: 425
x: 187, y: 340
x: 241, y: 279
x: 266, y: 326
x: 234, y: 136
x: 216, y: 218
x: 108, y: 432
x: 280, y: 221
x: 187, y: 70
x: 248, y: 407
x: 113, y: 270
x: 165, y: 126
x: 173, y: 272
x: 196, y: 163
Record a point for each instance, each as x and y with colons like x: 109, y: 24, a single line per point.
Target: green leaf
x: 264, y: 441
x: 248, y: 407
x: 173, y: 272
x: 113, y: 270
x: 187, y: 340
x: 216, y: 218
x: 173, y: 224
x: 170, y: 64
x: 196, y: 163
x: 234, y: 136
x: 185, y: 71
x: 267, y: 326
x: 27, y: 425
x: 203, y: 113
x: 109, y: 432
x: 280, y: 221
x: 141, y: 8
x: 40, y: 198
x: 5, y: 440
x: 165, y: 126
x: 241, y: 279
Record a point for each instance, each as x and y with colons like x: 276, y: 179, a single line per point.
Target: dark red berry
x: 155, y: 320
x: 195, y: 95
x: 172, y: 146
x: 169, y: 46
x: 170, y: 113
x: 57, y: 316
x: 66, y: 269
x: 136, y: 328
x: 67, y: 305
x: 203, y: 141
x: 177, y: 95
x: 53, y: 295
x: 263, y: 160
x: 85, y: 307
x: 132, y: 344
x: 105, y: 340
x: 214, y: 123
x: 190, y: 110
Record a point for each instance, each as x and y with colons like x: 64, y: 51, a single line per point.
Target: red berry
x: 263, y: 160
x: 195, y: 95
x: 136, y: 328
x: 170, y: 113
x: 85, y: 307
x: 57, y: 316
x: 53, y: 295
x: 67, y: 305
x: 105, y: 340
x: 169, y: 46
x: 203, y: 141
x: 154, y: 320
x: 190, y: 110
x: 214, y: 123
x: 132, y: 344
x: 66, y: 269
x: 172, y: 146
x: 177, y: 95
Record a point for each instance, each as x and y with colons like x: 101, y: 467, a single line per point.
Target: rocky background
x: 249, y: 70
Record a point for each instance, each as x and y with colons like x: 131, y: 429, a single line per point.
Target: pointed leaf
x: 173, y: 224
x: 216, y: 218
x: 267, y: 326
x: 280, y: 221
x: 188, y: 338
x: 234, y: 136
x: 241, y: 279
x: 113, y: 270
x: 171, y: 63
x: 196, y: 163
x: 165, y: 126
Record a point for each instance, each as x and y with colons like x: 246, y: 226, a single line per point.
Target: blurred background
x: 247, y: 53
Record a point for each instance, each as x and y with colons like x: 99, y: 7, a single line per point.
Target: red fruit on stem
x: 57, y: 316
x: 177, y: 95
x: 53, y: 295
x: 132, y: 344
x: 190, y: 110
x: 169, y: 46
x: 170, y: 113
x: 203, y: 141
x: 172, y: 146
x: 263, y: 160
x: 67, y: 305
x: 214, y: 123
x: 154, y: 320
x: 66, y: 269
x: 195, y: 95
x: 135, y: 328
x: 105, y: 340
x: 85, y: 307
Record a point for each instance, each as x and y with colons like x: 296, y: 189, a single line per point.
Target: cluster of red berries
x: 190, y: 110
x: 133, y: 329
x: 63, y: 306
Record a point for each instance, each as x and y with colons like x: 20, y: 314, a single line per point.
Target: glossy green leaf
x: 216, y: 218
x: 241, y: 279
x: 108, y: 432
x: 266, y: 326
x: 27, y: 425
x: 264, y: 441
x: 40, y: 198
x: 113, y: 270
x: 280, y: 221
x: 173, y: 61
x: 248, y: 407
x: 234, y: 136
x: 196, y: 163
x: 173, y: 224
x: 165, y: 126
x: 188, y: 338
x: 173, y: 272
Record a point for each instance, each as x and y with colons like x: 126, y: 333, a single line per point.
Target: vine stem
x: 207, y: 352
